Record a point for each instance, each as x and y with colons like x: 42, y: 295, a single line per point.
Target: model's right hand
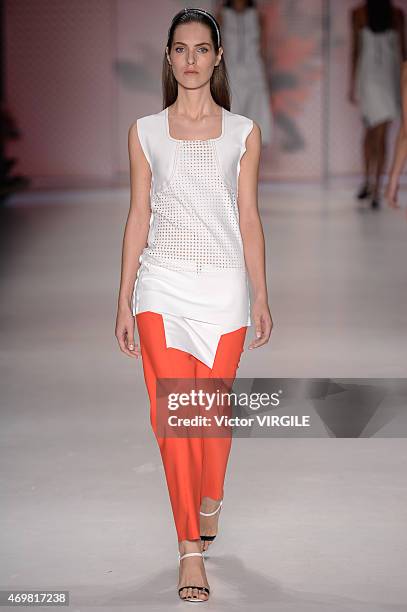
x: 125, y: 332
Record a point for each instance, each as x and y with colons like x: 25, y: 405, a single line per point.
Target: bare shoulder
x: 256, y: 128
x: 254, y: 137
x: 138, y: 151
x: 133, y: 130
x: 142, y: 125
x: 133, y: 137
x: 133, y: 126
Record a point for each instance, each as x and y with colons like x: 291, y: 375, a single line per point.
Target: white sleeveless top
x: 192, y: 269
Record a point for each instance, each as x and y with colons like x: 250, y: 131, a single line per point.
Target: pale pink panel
x: 59, y: 86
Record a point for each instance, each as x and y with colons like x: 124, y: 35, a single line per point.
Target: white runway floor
x: 308, y: 525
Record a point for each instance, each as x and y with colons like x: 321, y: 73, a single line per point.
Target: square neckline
x: 167, y: 125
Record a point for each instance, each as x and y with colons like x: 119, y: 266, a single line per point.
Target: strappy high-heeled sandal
x: 194, y: 598
x: 206, y: 538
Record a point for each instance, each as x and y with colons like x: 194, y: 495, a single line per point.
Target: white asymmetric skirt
x: 197, y: 308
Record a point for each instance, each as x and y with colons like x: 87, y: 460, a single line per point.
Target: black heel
x: 364, y: 192
x: 206, y: 538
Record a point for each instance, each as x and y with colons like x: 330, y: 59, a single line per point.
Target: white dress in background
x: 247, y: 78
x: 192, y: 270
x: 378, y: 76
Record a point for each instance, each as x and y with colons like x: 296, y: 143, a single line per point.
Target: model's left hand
x: 263, y: 323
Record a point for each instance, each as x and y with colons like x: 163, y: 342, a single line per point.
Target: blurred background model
x: 245, y: 45
x: 378, y: 48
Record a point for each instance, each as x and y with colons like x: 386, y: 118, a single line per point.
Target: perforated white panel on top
x: 195, y: 222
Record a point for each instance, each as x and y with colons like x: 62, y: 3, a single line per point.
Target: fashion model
x: 378, y: 49
x: 245, y: 44
x: 192, y: 234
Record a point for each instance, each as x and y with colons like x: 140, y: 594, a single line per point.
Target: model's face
x: 192, y: 55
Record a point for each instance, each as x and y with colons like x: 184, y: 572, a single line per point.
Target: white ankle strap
x: 214, y: 512
x: 193, y: 554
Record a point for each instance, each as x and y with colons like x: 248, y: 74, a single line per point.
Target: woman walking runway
x: 192, y: 233
x: 378, y: 48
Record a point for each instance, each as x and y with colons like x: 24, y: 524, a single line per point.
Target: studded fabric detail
x: 195, y: 221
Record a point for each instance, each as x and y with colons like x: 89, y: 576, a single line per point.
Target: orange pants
x: 194, y: 467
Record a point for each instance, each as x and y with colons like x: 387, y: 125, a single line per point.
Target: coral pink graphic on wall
x: 294, y: 64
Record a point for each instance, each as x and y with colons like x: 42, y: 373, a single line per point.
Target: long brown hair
x: 219, y: 82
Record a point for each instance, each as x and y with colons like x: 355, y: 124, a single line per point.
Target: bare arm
x: 403, y: 72
x: 399, y: 158
x: 135, y: 238
x: 401, y: 34
x: 253, y: 236
x: 400, y: 150
x: 403, y: 85
x: 400, y: 153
